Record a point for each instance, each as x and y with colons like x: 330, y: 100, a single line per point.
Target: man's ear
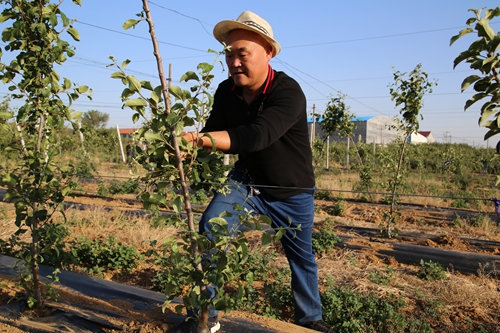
x: 269, y: 51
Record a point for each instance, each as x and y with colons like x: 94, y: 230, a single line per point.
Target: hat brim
x: 223, y: 28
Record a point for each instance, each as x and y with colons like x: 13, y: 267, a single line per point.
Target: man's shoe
x: 318, y: 325
x: 191, y: 326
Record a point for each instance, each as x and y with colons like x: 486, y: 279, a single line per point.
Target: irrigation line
x: 360, y: 192
x: 495, y: 200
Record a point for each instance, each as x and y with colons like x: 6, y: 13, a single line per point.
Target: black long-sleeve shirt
x: 269, y: 135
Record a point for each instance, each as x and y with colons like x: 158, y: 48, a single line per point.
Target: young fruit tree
x: 39, y: 182
x: 195, y: 263
x: 337, y: 119
x: 408, y: 94
x: 483, y: 56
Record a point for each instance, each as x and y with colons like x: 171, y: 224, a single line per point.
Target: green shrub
x: 102, y: 189
x: 199, y: 197
x: 96, y: 256
x: 322, y: 195
x: 52, y: 246
x: 338, y: 208
x: 260, y: 265
x: 349, y: 311
x: 127, y: 187
x: 84, y: 168
x: 275, y: 300
x: 383, y: 278
x: 324, y: 241
x: 431, y: 271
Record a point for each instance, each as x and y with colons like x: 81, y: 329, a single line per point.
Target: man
x: 260, y: 114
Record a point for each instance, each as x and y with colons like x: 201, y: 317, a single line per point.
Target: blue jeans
x: 297, y: 210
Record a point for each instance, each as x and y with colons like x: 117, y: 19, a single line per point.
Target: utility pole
x: 313, y: 124
x: 328, y: 153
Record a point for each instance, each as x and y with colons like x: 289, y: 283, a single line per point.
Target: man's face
x: 248, y: 59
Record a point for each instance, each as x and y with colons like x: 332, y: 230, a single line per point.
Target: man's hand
x: 193, y: 137
x: 222, y: 140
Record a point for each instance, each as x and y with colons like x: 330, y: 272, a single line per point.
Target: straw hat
x: 247, y: 21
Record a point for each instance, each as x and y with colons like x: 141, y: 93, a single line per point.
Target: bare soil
x: 469, y: 297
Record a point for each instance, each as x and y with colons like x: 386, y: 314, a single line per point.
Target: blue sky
x: 328, y: 46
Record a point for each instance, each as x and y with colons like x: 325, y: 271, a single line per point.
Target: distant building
x: 127, y: 132
x: 416, y: 138
x: 369, y: 129
x: 428, y: 135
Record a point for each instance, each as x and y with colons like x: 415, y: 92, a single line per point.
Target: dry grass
x: 130, y: 229
x: 431, y: 190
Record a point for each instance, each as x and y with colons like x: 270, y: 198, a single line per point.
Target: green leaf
x: 66, y: 190
x: 489, y: 64
x: 125, y: 63
x: 77, y: 2
x: 494, y: 44
x: 474, y: 99
x: 66, y: 84
x: 189, y: 76
x: 52, y: 18
x: 118, y: 75
x: 484, y: 30
x: 257, y: 225
x: 64, y: 19
x: 83, y: 89
x: 177, y: 204
x: 266, y: 239
x: 491, y: 133
x: 205, y: 67
x: 487, y: 111
x: 172, y: 118
x: 153, y: 136
x: 265, y: 219
x: 176, y: 91
x: 133, y: 102
x: 157, y: 199
x: 492, y: 13
x: 76, y: 115
x: 126, y: 93
x: 280, y: 233
x: 465, y: 55
x: 469, y: 80
x: 219, y: 221
x: 168, y: 288
x: 74, y: 33
x: 156, y: 95
x: 147, y: 85
x: 130, y: 23
x: 133, y: 83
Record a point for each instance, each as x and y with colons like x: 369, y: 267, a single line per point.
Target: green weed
x: 96, y: 256
x: 383, y: 278
x: 431, y: 271
x: 349, y: 311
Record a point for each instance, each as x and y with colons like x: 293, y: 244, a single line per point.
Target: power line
x: 139, y: 37
x: 390, y: 77
x: 322, y: 82
x: 187, y: 16
x: 378, y: 37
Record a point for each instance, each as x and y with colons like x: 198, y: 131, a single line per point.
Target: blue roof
x: 357, y: 118
x: 362, y: 118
